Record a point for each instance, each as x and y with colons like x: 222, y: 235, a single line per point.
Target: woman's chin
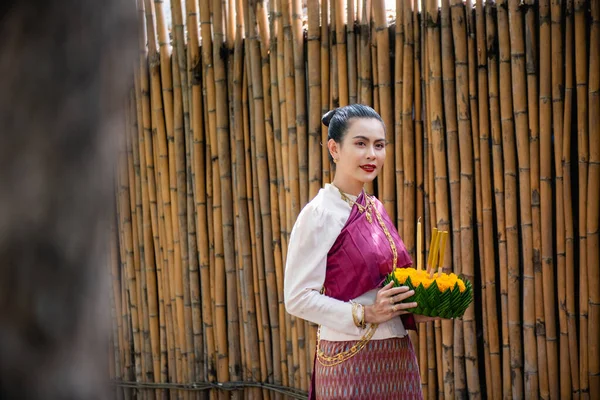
x: 368, y: 178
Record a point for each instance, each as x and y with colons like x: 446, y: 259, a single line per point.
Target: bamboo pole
x: 544, y: 267
x: 450, y: 67
x: 114, y: 350
x: 222, y: 132
x: 128, y: 267
x: 406, y: 147
x: 421, y: 335
x: 471, y: 344
x: 203, y: 296
x: 116, y: 301
x: 259, y: 296
x: 467, y: 178
x: 378, y: 182
x: 385, y: 109
x: 315, y: 149
x: 178, y: 196
x: 494, y: 371
x: 275, y: 276
x: 293, y: 159
x: 277, y: 129
x: 156, y: 313
x: 418, y: 101
x: 149, y: 175
x: 511, y: 194
x: 129, y: 368
x: 281, y: 45
x: 218, y: 267
x: 400, y: 65
x: 365, y: 95
x: 179, y: 199
x: 422, y: 214
x: 558, y: 82
x: 520, y: 111
x: 334, y: 100
x: 411, y: 159
x: 150, y: 333
x: 180, y: 44
x: 581, y: 80
x: 341, y: 48
x: 160, y: 155
x: 191, y: 88
x: 443, y: 359
x: 427, y: 356
x: 153, y: 259
x: 351, y: 51
x: 499, y: 188
x: 565, y: 168
x: 142, y: 303
x: 448, y: 71
x: 300, y: 105
x: 325, y: 92
x: 242, y: 227
x: 182, y: 67
x: 593, y: 212
x: 441, y: 182
x: 263, y: 110
x: 537, y: 121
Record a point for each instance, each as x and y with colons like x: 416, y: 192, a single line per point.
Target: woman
x: 342, y: 246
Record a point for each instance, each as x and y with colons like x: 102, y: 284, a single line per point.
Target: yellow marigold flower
x: 444, y: 281
x: 402, y: 274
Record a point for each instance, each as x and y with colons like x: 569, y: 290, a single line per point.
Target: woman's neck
x: 353, y: 188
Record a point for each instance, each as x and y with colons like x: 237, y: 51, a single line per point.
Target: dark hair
x: 338, y: 119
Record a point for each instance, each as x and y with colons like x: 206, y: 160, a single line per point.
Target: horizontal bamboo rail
x: 485, y: 104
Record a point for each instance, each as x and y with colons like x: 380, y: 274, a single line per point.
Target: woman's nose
x: 371, y: 152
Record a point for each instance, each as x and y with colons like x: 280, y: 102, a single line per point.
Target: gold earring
x: 335, y: 160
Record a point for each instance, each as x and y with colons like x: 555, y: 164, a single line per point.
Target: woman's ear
x: 332, y: 146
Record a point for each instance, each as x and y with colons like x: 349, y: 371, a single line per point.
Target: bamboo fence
x: 486, y: 104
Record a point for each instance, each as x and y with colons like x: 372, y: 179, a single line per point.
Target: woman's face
x: 361, y: 154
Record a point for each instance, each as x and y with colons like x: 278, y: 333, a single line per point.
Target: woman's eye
x: 379, y: 146
x: 360, y: 143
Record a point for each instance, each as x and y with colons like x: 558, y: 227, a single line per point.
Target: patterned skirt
x: 383, y: 369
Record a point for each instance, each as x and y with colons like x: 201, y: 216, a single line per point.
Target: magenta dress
x: 358, y: 262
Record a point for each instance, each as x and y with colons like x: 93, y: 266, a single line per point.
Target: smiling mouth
x: 368, y: 168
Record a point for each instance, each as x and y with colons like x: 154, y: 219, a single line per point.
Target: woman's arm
x: 314, y: 232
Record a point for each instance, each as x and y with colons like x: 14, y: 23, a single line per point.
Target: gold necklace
x: 361, y: 208
x: 366, y: 210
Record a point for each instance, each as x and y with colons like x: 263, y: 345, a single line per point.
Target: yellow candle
x: 434, y: 235
x: 419, y: 255
x: 435, y: 251
x: 442, y: 249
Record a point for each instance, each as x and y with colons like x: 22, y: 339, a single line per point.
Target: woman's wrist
x: 368, y: 314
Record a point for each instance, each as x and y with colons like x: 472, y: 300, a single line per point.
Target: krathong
x: 437, y: 294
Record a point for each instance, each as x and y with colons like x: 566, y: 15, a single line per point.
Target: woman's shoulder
x: 325, y: 208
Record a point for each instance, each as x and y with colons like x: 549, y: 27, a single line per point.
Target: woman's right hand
x: 387, y: 304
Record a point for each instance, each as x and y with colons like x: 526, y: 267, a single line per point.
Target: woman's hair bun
x: 328, y: 116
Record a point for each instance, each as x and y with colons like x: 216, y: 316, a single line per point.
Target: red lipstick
x: 368, y: 167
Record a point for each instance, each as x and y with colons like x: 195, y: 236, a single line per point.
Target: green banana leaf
x: 432, y: 303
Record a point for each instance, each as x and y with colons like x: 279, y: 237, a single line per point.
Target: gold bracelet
x: 363, y: 324
x: 357, y: 321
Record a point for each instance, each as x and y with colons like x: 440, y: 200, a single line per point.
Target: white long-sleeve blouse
x: 314, y: 233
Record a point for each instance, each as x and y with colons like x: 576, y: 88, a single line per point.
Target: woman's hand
x: 387, y: 304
